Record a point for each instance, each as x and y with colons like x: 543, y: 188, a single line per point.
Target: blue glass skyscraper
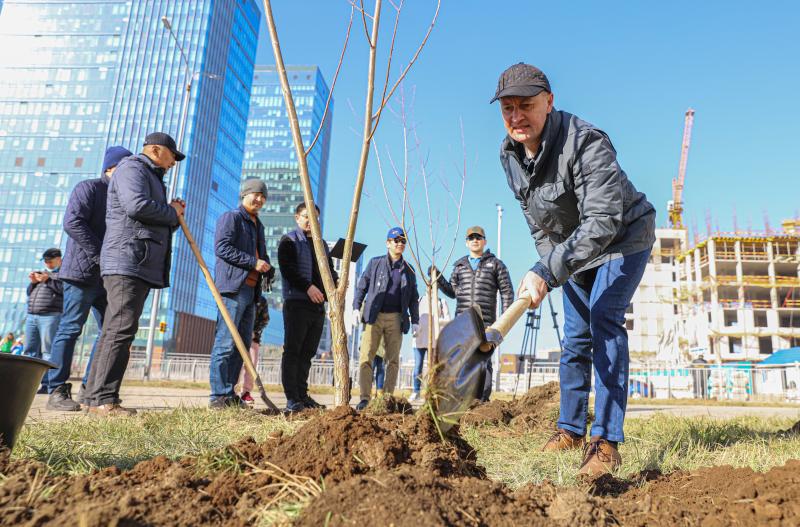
x: 270, y: 154
x: 98, y: 73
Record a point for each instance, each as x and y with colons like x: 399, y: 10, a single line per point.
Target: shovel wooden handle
x: 243, y: 351
x: 507, y: 320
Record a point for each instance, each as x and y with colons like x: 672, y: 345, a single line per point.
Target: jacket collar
x: 465, y: 259
x: 152, y: 166
x: 246, y: 215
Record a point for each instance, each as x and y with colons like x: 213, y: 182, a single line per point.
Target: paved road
x: 156, y: 398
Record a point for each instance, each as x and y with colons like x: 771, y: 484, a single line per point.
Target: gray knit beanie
x: 249, y: 186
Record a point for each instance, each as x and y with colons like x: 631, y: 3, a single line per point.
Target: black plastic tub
x: 20, y: 378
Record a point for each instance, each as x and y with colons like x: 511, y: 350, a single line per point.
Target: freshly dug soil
x: 384, y: 470
x: 534, y: 411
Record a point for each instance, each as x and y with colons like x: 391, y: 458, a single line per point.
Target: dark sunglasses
x: 474, y: 237
x: 399, y: 240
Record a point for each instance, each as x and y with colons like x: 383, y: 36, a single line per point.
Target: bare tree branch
x: 333, y: 84
x: 391, y: 55
x: 364, y: 16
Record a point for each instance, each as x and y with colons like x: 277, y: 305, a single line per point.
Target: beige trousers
x: 387, y: 326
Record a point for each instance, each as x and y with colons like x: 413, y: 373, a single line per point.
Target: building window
x: 760, y: 319
x: 78, y: 162
x: 40, y: 162
x: 18, y: 162
x: 734, y: 345
x: 629, y: 309
x: 765, y: 345
x: 731, y: 317
x: 214, y: 186
x: 629, y: 324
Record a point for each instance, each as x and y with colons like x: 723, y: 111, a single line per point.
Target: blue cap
x: 395, y: 232
x: 114, y: 154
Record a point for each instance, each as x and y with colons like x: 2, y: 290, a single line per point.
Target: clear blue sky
x: 632, y: 68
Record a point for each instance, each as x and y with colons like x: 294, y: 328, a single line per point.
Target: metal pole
x: 496, y: 358
x: 173, y: 187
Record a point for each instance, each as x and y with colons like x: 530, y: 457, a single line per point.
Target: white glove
x: 356, y: 317
x: 414, y: 329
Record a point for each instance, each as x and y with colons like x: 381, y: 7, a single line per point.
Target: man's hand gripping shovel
x: 463, y: 347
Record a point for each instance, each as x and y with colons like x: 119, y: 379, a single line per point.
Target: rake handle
x: 237, y: 339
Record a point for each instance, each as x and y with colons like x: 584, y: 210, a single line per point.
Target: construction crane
x: 675, y: 206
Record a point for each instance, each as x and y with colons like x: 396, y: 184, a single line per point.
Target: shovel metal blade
x: 461, y: 368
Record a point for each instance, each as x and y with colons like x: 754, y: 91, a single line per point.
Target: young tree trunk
x: 339, y: 350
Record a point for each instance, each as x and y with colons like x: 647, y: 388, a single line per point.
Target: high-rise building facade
x: 270, y: 155
x: 58, y: 67
x: 99, y: 73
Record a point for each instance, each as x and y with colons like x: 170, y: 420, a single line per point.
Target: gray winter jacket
x: 479, y: 287
x: 580, y: 206
x: 139, y: 223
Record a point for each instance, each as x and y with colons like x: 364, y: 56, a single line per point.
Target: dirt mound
x: 536, y: 410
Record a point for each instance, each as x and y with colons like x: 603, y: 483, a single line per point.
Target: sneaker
x: 61, y: 399
x: 600, y: 457
x: 247, y: 398
x: 42, y: 390
x: 294, y: 405
x: 308, y: 402
x: 110, y: 410
x: 362, y: 404
x: 228, y: 401
x: 413, y: 397
x: 563, y: 440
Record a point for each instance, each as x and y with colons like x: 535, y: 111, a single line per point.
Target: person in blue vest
x: 388, y: 292
x: 303, y: 309
x: 85, y: 225
x: 241, y: 265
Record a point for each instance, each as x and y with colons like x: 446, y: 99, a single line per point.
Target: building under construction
x: 729, y: 297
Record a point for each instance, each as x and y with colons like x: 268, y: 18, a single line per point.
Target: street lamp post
x: 173, y: 183
x: 499, y: 303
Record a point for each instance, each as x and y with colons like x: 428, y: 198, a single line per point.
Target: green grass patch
x: 82, y: 444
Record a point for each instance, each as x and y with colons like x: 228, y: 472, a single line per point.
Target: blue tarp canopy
x: 786, y: 356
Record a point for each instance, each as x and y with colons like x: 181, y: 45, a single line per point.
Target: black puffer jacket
x: 46, y: 298
x: 479, y: 287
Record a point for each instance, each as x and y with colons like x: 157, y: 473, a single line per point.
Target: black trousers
x: 126, y: 296
x: 302, y: 329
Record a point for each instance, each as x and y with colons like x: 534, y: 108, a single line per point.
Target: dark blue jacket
x: 371, y: 290
x: 139, y: 223
x: 85, y: 225
x: 235, y: 240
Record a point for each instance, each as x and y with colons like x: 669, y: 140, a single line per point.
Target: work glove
x: 356, y: 317
x: 414, y: 329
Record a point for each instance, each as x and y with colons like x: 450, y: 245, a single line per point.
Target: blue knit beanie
x: 114, y: 154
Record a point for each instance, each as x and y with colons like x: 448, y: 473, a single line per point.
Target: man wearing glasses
x: 388, y: 291
x: 476, y: 279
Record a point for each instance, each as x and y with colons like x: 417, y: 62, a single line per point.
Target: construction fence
x: 728, y: 382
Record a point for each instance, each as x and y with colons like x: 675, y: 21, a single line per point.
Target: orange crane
x: 675, y: 206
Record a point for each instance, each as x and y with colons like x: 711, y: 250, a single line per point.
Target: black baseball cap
x: 162, y: 139
x: 51, y: 253
x: 521, y: 80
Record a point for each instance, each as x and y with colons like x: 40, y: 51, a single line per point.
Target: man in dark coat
x: 594, y: 232
x: 135, y: 257
x: 85, y: 225
x: 476, y: 279
x: 45, y: 300
x: 303, y: 309
x: 241, y: 264
x: 388, y: 292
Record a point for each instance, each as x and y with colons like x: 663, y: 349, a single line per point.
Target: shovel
x: 227, y: 316
x: 463, y: 347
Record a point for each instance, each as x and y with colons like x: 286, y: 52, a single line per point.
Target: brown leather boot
x: 599, y: 457
x: 563, y: 440
x: 110, y: 410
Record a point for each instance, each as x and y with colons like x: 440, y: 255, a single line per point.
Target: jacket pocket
x: 555, y: 209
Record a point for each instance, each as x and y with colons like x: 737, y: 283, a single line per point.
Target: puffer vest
x: 302, y: 250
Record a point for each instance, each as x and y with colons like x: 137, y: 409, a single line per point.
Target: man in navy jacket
x: 241, y: 263
x: 388, y: 292
x: 135, y: 258
x: 85, y: 225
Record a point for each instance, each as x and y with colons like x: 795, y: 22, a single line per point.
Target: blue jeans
x: 419, y: 362
x: 226, y: 363
x: 39, y: 333
x: 594, y: 333
x: 380, y: 371
x: 79, y: 300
